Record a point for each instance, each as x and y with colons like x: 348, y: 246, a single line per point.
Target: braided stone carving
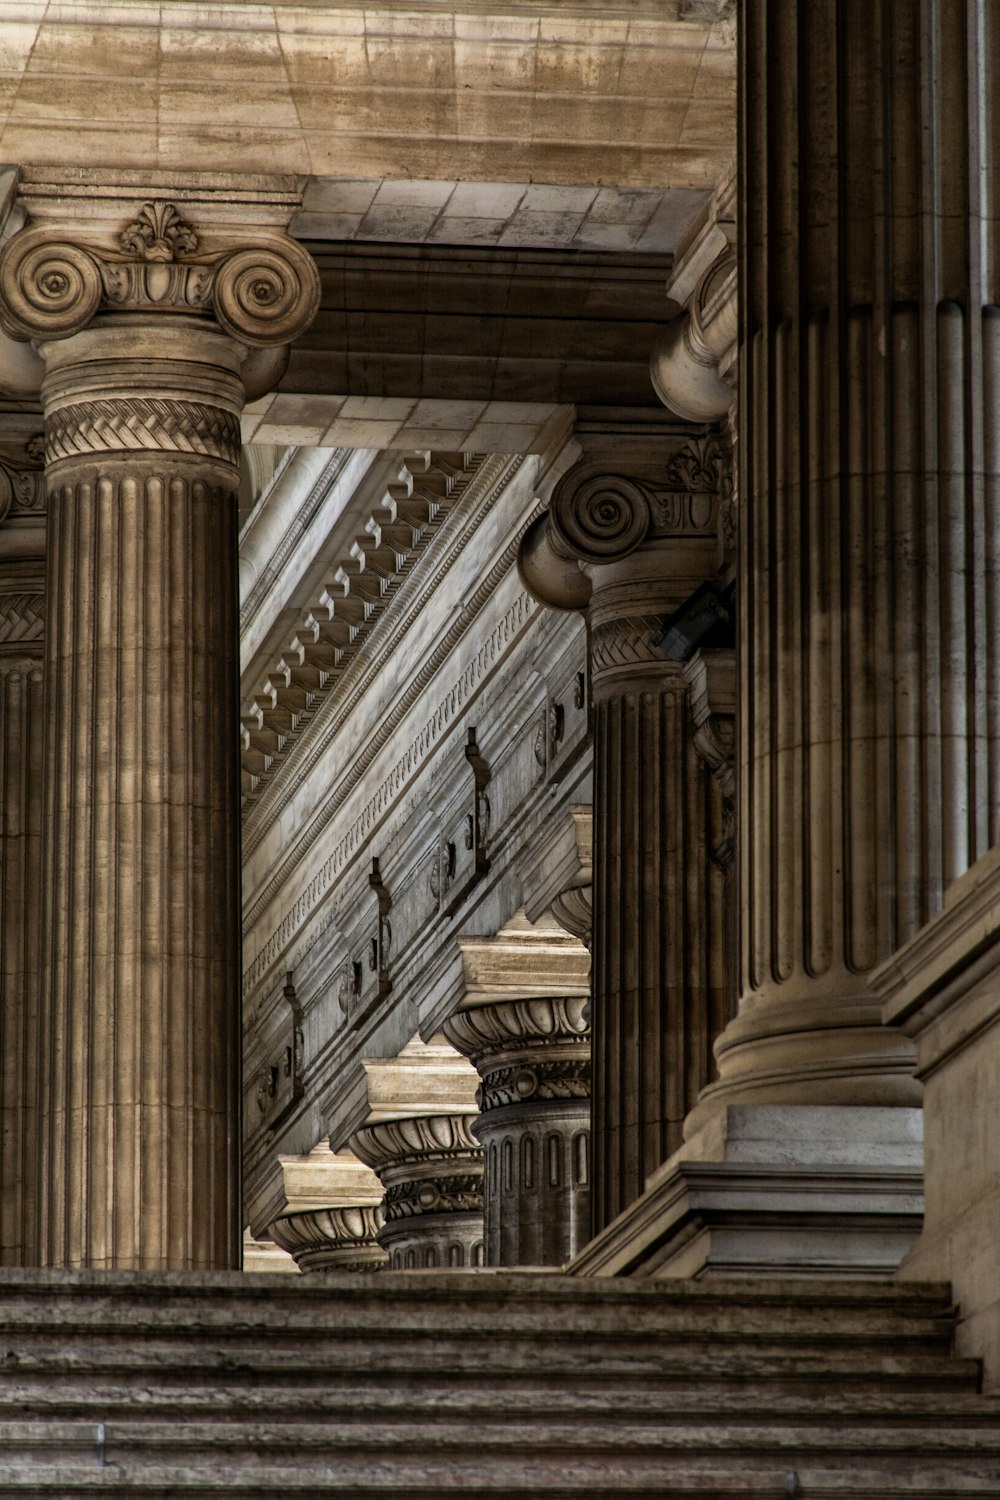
x: 135, y: 422
x: 22, y: 618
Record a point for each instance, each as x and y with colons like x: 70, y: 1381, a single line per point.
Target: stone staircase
x: 502, y: 1383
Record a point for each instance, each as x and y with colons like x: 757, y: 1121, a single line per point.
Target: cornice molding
x: 294, y: 533
x: 406, y: 769
x: 480, y: 496
x: 336, y: 624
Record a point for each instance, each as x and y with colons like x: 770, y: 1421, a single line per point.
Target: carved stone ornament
x: 22, y: 490
x: 410, y: 1140
x: 262, y: 295
x: 142, y: 422
x: 333, y: 1239
x: 526, y: 1050
x: 428, y: 1164
x: 598, y: 517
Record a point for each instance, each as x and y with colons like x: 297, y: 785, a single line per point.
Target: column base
x: 791, y: 1190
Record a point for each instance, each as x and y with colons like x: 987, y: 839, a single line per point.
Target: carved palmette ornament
x: 261, y: 294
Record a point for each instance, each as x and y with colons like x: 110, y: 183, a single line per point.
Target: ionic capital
x: 692, y: 362
x: 206, y: 251
x: 333, y: 1239
x: 656, y: 518
x: 526, y: 1051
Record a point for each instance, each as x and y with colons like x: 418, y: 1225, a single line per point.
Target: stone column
x: 869, y: 562
x: 631, y: 532
x: 22, y: 616
x: 533, y: 1057
x: 145, y: 339
x: 869, y: 536
x: 324, y: 1209
x: 416, y: 1136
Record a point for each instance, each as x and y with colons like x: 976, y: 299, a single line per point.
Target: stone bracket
x: 378, y: 957
x: 280, y: 1082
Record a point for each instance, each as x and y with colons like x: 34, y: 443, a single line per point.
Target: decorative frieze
x: 359, y: 586
x: 405, y: 770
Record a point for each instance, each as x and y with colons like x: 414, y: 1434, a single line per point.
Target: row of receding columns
x: 866, y: 591
x: 474, y: 1147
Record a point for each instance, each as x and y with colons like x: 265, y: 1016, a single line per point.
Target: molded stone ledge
x: 942, y: 990
x: 775, y: 1190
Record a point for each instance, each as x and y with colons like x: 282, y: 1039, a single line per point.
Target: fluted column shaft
x: 139, y: 1087
x: 630, y: 536
x: 659, y: 954
x: 870, y: 527
x: 20, y: 901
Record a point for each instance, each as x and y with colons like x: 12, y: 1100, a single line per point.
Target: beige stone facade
x: 499, y: 747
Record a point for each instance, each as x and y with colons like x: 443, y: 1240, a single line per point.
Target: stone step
x: 506, y: 1383
x: 247, y: 1444
x: 560, y: 1477
x: 491, y: 1305
x: 410, y: 1395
